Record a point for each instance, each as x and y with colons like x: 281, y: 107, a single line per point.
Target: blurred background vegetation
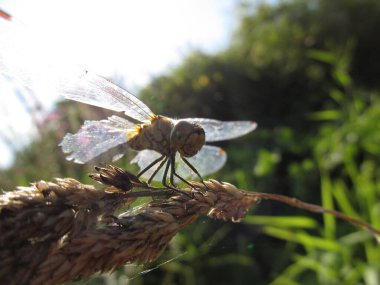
x: 308, y: 73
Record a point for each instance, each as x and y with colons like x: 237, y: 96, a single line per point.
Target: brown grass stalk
x: 54, y: 232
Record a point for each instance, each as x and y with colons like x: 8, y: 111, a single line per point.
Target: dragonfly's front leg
x: 173, y: 186
x: 194, y: 170
x: 172, y: 170
x: 174, y: 173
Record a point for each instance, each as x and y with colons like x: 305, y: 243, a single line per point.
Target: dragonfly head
x: 187, y: 138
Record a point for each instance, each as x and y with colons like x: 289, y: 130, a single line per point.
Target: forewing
x: 95, y: 138
x: 95, y: 90
x: 223, y: 130
x: 207, y: 161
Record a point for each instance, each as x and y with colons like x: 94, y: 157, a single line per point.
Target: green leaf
x: 283, y: 221
x: 327, y: 115
x: 266, y: 163
x: 323, y: 56
x: 342, y: 78
x: 304, y: 239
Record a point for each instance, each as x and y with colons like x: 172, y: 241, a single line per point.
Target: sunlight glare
x: 133, y: 39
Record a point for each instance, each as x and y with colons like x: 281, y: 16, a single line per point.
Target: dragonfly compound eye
x: 187, y: 138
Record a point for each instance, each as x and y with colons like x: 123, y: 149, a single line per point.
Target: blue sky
x: 134, y: 40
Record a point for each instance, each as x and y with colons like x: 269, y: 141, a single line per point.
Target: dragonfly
x: 168, y: 149
x: 161, y: 141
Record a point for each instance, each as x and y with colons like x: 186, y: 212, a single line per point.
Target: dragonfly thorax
x: 167, y: 136
x: 154, y: 135
x: 187, y: 138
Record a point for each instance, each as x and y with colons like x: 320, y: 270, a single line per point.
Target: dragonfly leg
x: 156, y: 171
x: 164, y: 178
x: 174, y: 173
x: 194, y: 170
x: 172, y: 170
x: 150, y: 166
x: 183, y: 180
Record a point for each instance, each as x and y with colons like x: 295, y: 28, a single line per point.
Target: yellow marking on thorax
x: 131, y: 133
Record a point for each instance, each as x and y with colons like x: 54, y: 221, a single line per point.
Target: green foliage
x: 347, y: 154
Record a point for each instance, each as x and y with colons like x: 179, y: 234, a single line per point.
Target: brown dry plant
x: 55, y: 232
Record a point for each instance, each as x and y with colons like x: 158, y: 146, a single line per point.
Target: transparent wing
x: 223, y: 130
x: 208, y: 160
x: 95, y: 90
x: 94, y: 138
x: 146, y: 157
x: 40, y: 65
